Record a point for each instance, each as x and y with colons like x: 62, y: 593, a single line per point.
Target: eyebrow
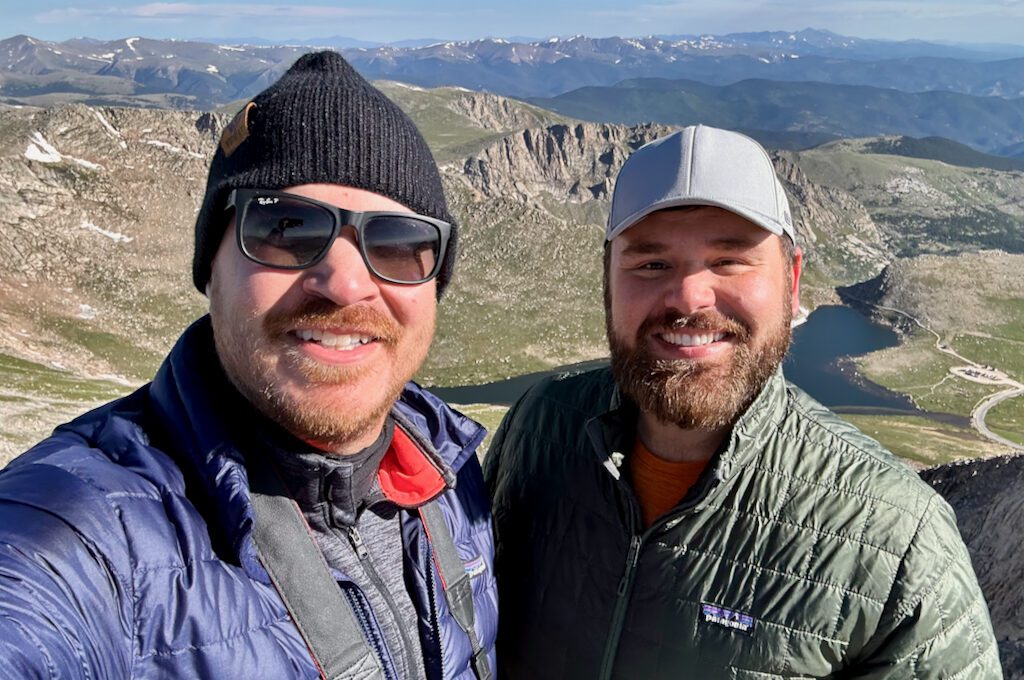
x: 728, y: 243
x: 644, y: 248
x: 734, y: 243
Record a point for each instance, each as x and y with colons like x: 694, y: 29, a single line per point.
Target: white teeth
x: 328, y: 339
x: 686, y: 340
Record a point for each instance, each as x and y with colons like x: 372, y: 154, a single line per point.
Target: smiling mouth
x: 338, y: 341
x: 693, y: 339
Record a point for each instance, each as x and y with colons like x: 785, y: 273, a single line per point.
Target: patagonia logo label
x: 727, y: 618
x: 237, y: 130
x: 475, y: 566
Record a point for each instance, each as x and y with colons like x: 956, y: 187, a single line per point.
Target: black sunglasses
x: 281, y: 230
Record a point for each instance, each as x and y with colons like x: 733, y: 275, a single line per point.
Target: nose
x: 691, y: 291
x: 341, y: 276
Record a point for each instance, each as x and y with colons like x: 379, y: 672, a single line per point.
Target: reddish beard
x: 693, y: 394
x: 249, y: 361
x: 323, y: 314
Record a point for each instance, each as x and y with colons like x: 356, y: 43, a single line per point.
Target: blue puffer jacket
x: 126, y: 544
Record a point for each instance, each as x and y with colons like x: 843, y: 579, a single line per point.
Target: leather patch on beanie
x: 237, y: 130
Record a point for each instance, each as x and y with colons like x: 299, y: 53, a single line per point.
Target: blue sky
x: 391, y: 20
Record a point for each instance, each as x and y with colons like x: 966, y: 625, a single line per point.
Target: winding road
x: 981, y: 410
x: 977, y: 373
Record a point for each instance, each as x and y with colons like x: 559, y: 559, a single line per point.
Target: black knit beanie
x: 321, y: 123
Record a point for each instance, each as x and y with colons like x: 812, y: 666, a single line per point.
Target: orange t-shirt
x: 660, y: 484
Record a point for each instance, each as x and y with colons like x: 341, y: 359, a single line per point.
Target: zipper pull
x: 634, y: 549
x: 632, y: 557
x: 357, y: 543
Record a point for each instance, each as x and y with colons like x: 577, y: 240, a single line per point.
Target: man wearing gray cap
x: 689, y: 514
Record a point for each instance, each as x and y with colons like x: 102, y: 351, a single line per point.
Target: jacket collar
x: 329, y: 488
x: 204, y: 431
x: 754, y: 427
x: 612, y: 433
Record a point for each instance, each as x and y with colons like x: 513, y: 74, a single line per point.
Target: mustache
x: 321, y: 313
x: 705, y: 320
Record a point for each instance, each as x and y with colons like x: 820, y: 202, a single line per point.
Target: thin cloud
x: 884, y: 9
x: 191, y: 11
x: 876, y: 9
x: 669, y: 10
x: 982, y: 21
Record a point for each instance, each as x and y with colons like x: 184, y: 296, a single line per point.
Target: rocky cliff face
x: 990, y: 511
x: 492, y: 112
x: 575, y: 162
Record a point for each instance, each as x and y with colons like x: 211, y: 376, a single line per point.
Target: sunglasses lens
x: 285, y: 232
x: 403, y: 249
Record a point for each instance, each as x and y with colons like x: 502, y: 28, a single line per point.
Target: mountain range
x: 200, y: 75
x: 808, y: 41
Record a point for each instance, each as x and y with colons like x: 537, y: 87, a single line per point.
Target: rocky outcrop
x: 989, y: 505
x: 575, y: 162
x: 491, y: 112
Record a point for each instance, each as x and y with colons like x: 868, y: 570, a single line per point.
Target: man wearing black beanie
x: 280, y: 501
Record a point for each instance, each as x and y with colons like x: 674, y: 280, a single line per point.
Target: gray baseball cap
x: 700, y: 165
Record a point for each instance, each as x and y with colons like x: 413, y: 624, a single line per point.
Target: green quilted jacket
x: 805, y: 551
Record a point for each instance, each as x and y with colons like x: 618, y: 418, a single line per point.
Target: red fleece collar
x: 407, y: 476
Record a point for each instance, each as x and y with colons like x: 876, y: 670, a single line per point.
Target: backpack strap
x: 299, y: 572
x: 456, y: 581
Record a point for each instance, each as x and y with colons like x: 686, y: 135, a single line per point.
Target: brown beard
x: 246, y: 362
x: 690, y: 394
